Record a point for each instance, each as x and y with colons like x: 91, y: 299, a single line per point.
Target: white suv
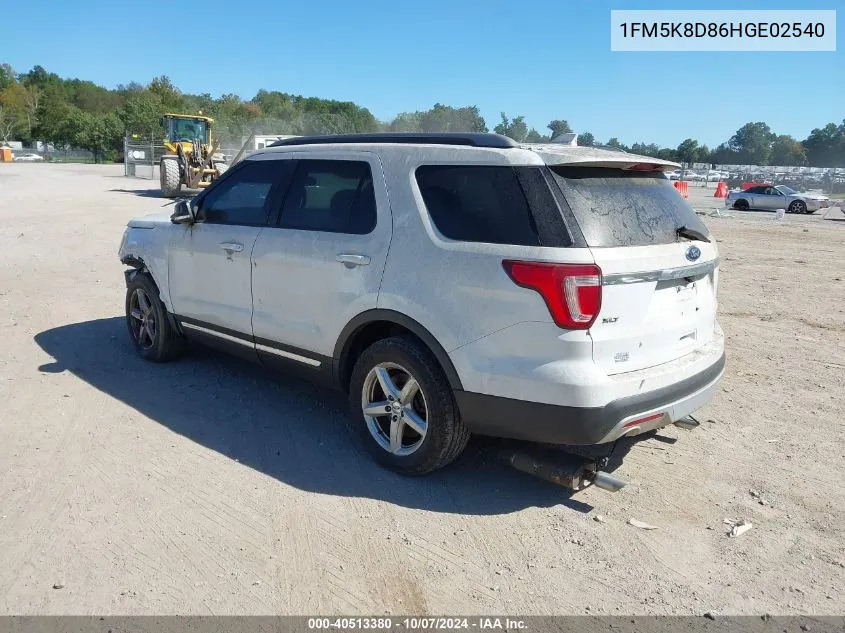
x: 451, y: 284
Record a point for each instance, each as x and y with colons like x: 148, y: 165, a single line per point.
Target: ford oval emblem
x: 693, y: 253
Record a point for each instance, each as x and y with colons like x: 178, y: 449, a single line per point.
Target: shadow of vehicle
x: 288, y: 429
x: 143, y: 193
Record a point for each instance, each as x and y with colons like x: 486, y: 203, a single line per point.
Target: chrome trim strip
x: 290, y: 355
x: 234, y: 339
x: 696, y: 270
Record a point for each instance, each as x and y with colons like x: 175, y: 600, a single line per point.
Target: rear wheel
x: 741, y: 205
x: 152, y: 333
x: 168, y: 175
x: 405, y: 408
x: 798, y: 206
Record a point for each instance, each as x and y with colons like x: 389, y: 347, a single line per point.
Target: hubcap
x: 394, y: 408
x: 142, y: 319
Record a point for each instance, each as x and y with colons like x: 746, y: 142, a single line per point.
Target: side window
x: 334, y: 196
x: 477, y: 204
x: 242, y: 197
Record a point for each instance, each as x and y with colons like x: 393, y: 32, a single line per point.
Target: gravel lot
x: 208, y: 486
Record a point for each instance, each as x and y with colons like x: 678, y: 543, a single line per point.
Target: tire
x: 150, y: 329
x: 797, y: 206
x: 741, y: 204
x: 445, y: 435
x: 169, y: 177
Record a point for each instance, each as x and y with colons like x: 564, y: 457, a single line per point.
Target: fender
x: 348, y: 333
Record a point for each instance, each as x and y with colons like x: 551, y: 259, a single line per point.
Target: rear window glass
x: 474, y: 203
x: 614, y: 207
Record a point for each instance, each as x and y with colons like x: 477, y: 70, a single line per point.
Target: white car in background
x: 29, y: 158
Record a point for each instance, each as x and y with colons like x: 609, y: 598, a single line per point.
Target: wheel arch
x: 372, y: 325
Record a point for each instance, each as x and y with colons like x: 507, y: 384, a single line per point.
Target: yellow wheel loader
x: 191, y: 156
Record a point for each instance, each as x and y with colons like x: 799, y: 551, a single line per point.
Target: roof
x: 509, y: 151
x: 471, y: 139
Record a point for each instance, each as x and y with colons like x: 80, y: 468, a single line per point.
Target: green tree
x: 515, y: 128
x: 645, y: 149
x: 405, y: 122
x: 787, y: 151
x: 443, y: 118
x: 12, y: 111
x: 616, y: 144
x: 753, y: 143
x: 826, y: 146
x: 586, y: 139
x: 141, y: 113
x: 558, y: 127
x: 168, y: 94
x: 7, y: 76
x: 535, y: 137
x: 687, y: 151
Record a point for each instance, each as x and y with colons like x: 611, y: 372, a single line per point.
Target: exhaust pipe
x: 565, y: 470
x: 688, y: 423
x: 606, y: 481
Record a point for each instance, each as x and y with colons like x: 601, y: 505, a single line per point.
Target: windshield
x: 615, y: 207
x: 785, y: 190
x: 187, y: 130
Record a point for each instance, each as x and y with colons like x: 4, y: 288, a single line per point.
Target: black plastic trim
x: 548, y: 219
x: 217, y: 328
x: 347, y: 336
x: 555, y: 424
x: 413, y: 138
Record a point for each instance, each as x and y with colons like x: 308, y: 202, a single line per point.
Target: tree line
x: 39, y: 105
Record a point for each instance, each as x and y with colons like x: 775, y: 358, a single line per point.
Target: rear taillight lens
x: 572, y: 292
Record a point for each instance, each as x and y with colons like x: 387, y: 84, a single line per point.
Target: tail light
x: 572, y: 292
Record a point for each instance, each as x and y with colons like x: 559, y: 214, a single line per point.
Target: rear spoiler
x: 577, y: 156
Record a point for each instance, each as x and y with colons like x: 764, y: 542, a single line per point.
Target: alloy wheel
x: 142, y: 320
x: 394, y: 409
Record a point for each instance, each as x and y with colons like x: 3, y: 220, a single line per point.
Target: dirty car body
x: 450, y: 284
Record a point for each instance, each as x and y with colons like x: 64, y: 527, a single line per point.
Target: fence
x: 142, y: 154
x: 50, y: 153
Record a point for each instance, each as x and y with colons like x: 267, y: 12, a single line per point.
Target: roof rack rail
x: 440, y: 138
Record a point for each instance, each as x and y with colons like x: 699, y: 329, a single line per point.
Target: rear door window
x: 334, y: 196
x: 476, y: 203
x: 616, y: 207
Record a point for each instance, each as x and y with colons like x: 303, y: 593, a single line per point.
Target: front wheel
x: 152, y: 334
x: 169, y: 178
x: 741, y: 205
x: 798, y: 206
x: 405, y: 409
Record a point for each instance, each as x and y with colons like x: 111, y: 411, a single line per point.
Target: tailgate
x: 658, y: 265
x: 657, y: 305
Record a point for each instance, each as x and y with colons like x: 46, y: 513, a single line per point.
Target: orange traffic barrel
x: 6, y: 155
x: 683, y: 188
x: 721, y: 190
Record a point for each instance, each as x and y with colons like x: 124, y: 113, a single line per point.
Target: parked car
x: 28, y: 158
x: 675, y: 174
x: 776, y: 197
x: 449, y: 284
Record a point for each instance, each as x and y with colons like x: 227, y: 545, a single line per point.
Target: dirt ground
x: 208, y: 486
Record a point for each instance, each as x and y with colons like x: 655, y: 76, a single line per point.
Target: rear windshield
x: 614, y: 207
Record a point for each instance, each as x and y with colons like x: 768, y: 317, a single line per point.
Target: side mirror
x: 184, y: 213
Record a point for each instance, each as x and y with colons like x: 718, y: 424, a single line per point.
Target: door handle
x: 350, y: 260
x: 231, y: 247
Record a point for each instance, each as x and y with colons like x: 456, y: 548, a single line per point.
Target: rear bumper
x: 558, y: 424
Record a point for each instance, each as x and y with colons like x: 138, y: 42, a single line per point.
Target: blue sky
x: 543, y: 59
